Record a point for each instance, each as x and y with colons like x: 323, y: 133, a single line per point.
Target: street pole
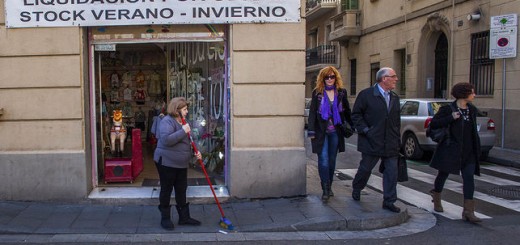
x: 503, y: 101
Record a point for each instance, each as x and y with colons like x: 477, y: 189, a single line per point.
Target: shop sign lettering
x: 62, y: 13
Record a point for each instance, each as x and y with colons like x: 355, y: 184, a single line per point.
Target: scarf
x: 325, y: 107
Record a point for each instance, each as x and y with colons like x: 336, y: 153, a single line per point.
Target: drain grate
x: 511, y: 192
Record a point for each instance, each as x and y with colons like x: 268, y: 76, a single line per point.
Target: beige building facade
x: 432, y: 44
x: 51, y: 81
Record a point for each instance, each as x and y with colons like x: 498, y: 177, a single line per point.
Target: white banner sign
x: 54, y: 13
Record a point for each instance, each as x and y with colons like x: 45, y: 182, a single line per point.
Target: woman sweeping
x: 172, y: 157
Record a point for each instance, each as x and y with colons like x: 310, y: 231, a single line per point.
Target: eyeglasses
x: 393, y: 76
x: 330, y: 77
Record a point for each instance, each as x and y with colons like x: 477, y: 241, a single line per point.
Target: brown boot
x: 469, y: 211
x: 437, y: 204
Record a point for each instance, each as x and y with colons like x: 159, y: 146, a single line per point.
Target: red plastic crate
x: 118, y: 170
x: 137, y: 153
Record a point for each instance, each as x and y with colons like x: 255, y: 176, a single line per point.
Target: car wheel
x: 411, y: 147
x: 484, y: 155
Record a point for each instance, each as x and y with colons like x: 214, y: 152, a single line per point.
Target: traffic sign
x: 502, y: 36
x: 502, y: 42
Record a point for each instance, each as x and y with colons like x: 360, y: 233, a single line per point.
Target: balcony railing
x: 346, y: 26
x: 324, y: 54
x: 316, y: 8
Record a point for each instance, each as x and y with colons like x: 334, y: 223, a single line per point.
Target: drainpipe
x: 452, y: 48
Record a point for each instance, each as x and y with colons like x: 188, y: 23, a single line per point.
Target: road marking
x: 417, y: 198
x: 503, y: 170
x: 457, y: 187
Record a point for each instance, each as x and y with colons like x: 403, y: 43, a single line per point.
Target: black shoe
x: 356, y: 195
x: 391, y: 207
x: 184, y: 215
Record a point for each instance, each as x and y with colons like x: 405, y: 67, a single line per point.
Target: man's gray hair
x: 381, y: 73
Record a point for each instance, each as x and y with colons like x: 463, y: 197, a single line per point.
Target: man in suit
x: 377, y: 120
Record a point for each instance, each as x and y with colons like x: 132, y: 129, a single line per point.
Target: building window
x: 353, y: 64
x: 482, y: 69
x: 349, y: 5
x: 374, y: 67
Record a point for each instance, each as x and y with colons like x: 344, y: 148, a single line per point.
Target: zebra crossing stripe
x: 417, y: 198
x: 503, y: 170
x: 457, y: 187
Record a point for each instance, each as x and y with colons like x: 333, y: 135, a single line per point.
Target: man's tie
x: 387, y: 98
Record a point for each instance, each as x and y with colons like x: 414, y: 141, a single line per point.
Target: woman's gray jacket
x: 173, y: 147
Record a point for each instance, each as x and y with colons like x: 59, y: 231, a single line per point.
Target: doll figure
x: 117, y: 132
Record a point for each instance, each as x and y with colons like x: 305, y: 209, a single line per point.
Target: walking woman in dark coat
x: 460, y: 152
x: 329, y: 109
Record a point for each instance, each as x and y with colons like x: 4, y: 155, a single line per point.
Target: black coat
x: 317, y: 125
x: 448, y: 155
x: 378, y: 128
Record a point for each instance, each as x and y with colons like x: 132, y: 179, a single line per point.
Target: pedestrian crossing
x: 422, y: 199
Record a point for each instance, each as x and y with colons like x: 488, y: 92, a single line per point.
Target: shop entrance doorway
x: 132, y: 85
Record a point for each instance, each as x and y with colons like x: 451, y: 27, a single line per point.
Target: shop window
x: 482, y: 68
x: 137, y: 81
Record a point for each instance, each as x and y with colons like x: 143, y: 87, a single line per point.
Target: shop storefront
x: 127, y: 62
x: 136, y: 71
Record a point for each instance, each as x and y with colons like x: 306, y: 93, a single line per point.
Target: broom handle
x: 204, y: 169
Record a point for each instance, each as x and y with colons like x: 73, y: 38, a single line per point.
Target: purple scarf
x: 325, y: 107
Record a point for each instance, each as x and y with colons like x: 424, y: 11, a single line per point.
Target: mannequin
x: 118, y: 131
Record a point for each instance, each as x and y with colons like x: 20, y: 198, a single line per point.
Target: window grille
x: 482, y: 68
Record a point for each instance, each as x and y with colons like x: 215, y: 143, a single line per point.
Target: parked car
x: 306, y: 111
x: 416, y: 115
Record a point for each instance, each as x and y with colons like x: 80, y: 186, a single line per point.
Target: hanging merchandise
x: 114, y: 96
x: 128, y: 110
x: 154, y: 84
x: 114, y: 80
x: 140, y: 119
x: 127, y: 93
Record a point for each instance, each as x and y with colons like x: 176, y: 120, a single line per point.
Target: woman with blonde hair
x: 328, y: 111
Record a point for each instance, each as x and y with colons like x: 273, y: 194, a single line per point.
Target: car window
x: 410, y: 108
x: 433, y: 107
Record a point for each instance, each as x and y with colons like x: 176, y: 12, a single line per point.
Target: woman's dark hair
x: 462, y: 90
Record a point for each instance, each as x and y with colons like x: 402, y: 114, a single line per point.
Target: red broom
x: 224, y: 222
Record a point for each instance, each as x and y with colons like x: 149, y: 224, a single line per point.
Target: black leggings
x: 468, y: 181
x: 171, y: 178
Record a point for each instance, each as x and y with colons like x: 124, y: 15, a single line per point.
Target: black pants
x: 368, y: 162
x: 171, y: 178
x: 468, y: 180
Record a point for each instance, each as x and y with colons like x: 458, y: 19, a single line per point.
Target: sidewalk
x: 297, y: 218
x: 505, y: 157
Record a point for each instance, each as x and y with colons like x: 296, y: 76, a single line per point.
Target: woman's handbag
x: 438, y: 135
x: 402, y: 168
x: 347, y: 130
